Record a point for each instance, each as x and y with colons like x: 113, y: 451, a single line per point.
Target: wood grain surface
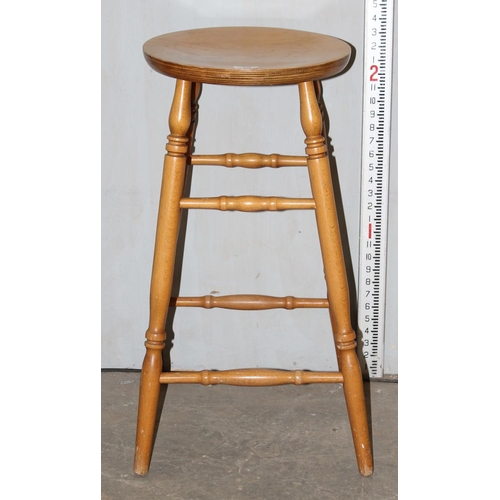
x: 242, y: 55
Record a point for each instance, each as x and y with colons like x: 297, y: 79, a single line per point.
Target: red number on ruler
x: 373, y: 75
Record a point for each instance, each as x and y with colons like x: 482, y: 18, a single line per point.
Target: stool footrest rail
x: 248, y: 302
x: 248, y: 203
x: 256, y: 377
x: 249, y: 160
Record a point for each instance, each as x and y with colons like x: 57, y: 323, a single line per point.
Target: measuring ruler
x: 377, y: 70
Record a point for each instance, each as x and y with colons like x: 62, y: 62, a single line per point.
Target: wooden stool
x: 248, y: 56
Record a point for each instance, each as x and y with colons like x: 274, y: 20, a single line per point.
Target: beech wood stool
x: 248, y: 56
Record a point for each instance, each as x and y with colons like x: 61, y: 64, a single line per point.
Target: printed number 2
x: 373, y: 76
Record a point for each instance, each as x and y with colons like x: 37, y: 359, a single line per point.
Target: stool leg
x: 335, y: 274
x: 163, y: 269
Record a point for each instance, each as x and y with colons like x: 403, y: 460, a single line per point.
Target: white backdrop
x: 226, y: 253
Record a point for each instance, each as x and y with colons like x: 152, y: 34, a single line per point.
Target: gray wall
x: 226, y: 253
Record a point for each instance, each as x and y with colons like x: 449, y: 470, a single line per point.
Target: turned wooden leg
x: 163, y: 269
x: 335, y: 274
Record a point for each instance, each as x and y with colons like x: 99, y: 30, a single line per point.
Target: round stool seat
x: 241, y: 55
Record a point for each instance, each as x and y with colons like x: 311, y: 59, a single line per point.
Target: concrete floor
x: 224, y: 443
